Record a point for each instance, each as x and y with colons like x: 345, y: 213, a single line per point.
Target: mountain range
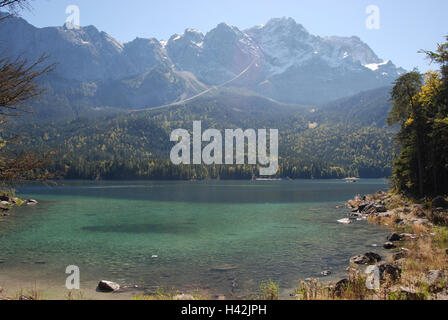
x: 279, y: 60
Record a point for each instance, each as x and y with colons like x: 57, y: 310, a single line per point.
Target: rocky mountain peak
x: 355, y: 48
x: 279, y: 60
x: 284, y: 25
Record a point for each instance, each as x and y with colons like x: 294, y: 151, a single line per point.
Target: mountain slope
x: 368, y: 108
x: 137, y: 145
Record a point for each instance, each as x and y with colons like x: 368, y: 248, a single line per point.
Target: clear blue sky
x: 406, y: 26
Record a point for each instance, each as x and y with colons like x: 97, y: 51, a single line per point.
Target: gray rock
x: 367, y: 258
x: 364, y: 206
x: 408, y: 236
x: 390, y: 271
x: 108, y: 286
x: 380, y: 208
x: 423, y: 222
x: 394, y: 237
x: 389, y: 245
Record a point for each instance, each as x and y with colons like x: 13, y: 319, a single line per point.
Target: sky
x: 404, y: 26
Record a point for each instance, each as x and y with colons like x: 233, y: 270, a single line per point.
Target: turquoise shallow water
x: 280, y: 230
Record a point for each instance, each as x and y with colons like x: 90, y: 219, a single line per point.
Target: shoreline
x: 381, y: 208
x: 416, y: 266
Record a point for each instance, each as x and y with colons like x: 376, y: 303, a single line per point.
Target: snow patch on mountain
x: 376, y: 66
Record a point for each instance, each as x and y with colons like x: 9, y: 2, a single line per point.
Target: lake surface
x: 259, y: 230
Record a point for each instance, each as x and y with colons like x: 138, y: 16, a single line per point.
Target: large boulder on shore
x: 108, y: 286
x: 394, y: 237
x: 389, y: 245
x: 367, y: 258
x: 439, y: 202
x: 390, y: 271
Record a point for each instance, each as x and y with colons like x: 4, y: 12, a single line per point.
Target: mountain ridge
x: 283, y: 61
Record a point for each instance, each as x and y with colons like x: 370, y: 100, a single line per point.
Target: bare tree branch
x: 18, y: 84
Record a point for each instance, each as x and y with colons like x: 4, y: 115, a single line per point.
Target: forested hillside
x: 136, y: 145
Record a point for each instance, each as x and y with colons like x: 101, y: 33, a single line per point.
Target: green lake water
x: 279, y: 230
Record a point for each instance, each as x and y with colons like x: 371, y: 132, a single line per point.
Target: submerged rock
x: 108, y: 286
x: 223, y: 268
